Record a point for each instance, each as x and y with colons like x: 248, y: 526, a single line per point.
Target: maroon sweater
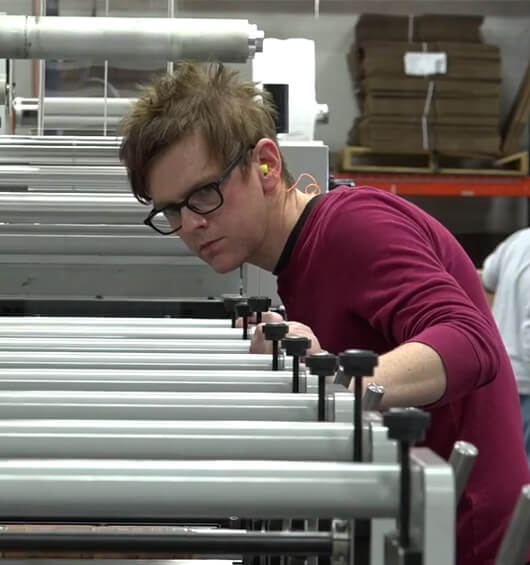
x: 366, y: 269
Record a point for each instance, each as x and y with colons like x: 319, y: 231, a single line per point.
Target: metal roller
x: 123, y: 331
x: 70, y: 113
x: 143, y: 40
x: 59, y: 150
x: 85, y: 490
x: 124, y: 345
x: 159, y: 380
x: 94, y: 178
x: 66, y: 243
x: 106, y: 360
x: 126, y: 405
x: 70, y: 208
x: 86, y: 321
x: 79, y: 113
x: 76, y: 439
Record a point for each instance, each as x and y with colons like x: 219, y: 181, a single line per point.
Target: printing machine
x: 141, y: 457
x: 151, y: 437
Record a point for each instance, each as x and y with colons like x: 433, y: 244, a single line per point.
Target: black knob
x: 243, y: 309
x: 230, y: 301
x: 358, y: 362
x: 275, y: 331
x: 406, y: 424
x: 259, y: 303
x: 296, y: 345
x: 322, y: 364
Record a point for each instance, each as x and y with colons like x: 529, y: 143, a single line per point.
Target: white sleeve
x: 491, y: 269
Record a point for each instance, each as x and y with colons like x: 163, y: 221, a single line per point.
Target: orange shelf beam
x: 443, y: 185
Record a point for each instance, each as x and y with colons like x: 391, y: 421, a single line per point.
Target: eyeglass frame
x: 216, y: 185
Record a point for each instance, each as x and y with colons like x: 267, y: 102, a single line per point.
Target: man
x: 357, y: 268
x: 506, y: 275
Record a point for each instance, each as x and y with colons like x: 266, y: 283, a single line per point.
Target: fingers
x: 258, y: 343
x: 266, y: 317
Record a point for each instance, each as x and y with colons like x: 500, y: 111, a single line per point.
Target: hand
x: 266, y: 318
x: 260, y: 345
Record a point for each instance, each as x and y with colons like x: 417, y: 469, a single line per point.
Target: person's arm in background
x: 489, y: 295
x: 490, y: 272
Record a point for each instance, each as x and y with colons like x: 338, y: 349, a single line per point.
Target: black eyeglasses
x: 203, y: 200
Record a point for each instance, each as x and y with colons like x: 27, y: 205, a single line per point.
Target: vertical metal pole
x: 275, y: 353
x: 245, y: 327
x: 358, y: 420
x: 404, y: 507
x: 296, y: 373
x: 105, y: 82
x: 321, y: 398
x: 42, y: 79
x: 170, y: 14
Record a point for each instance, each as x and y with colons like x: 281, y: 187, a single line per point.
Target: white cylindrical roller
x: 98, y: 321
x: 120, y: 345
x: 106, y: 360
x: 129, y: 439
x: 122, y: 331
x: 95, y: 178
x: 69, y: 490
x: 143, y: 40
x: 124, y: 405
x: 61, y: 113
x: 79, y: 208
x: 59, y: 150
x: 159, y: 380
x: 81, y: 113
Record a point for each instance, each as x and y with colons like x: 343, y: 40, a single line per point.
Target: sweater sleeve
x: 404, y: 291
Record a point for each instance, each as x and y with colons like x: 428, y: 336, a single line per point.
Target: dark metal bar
x: 197, y: 542
x: 321, y: 398
x: 358, y: 421
x: 245, y: 327
x: 275, y: 354
x: 296, y: 373
x: 404, y: 506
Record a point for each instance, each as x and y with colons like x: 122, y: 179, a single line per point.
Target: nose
x: 191, y: 221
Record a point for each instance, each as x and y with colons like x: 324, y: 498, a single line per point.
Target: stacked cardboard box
x: 454, y: 112
x: 519, y: 117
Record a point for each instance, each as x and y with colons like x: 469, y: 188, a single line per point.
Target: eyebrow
x: 209, y: 179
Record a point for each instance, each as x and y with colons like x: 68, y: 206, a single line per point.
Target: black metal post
x: 358, y: 420
x: 275, y: 354
x: 321, y: 398
x: 404, y: 503
x: 296, y: 373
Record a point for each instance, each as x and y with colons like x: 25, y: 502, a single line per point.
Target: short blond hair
x: 230, y: 114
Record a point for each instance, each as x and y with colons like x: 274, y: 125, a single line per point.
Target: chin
x: 223, y: 265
